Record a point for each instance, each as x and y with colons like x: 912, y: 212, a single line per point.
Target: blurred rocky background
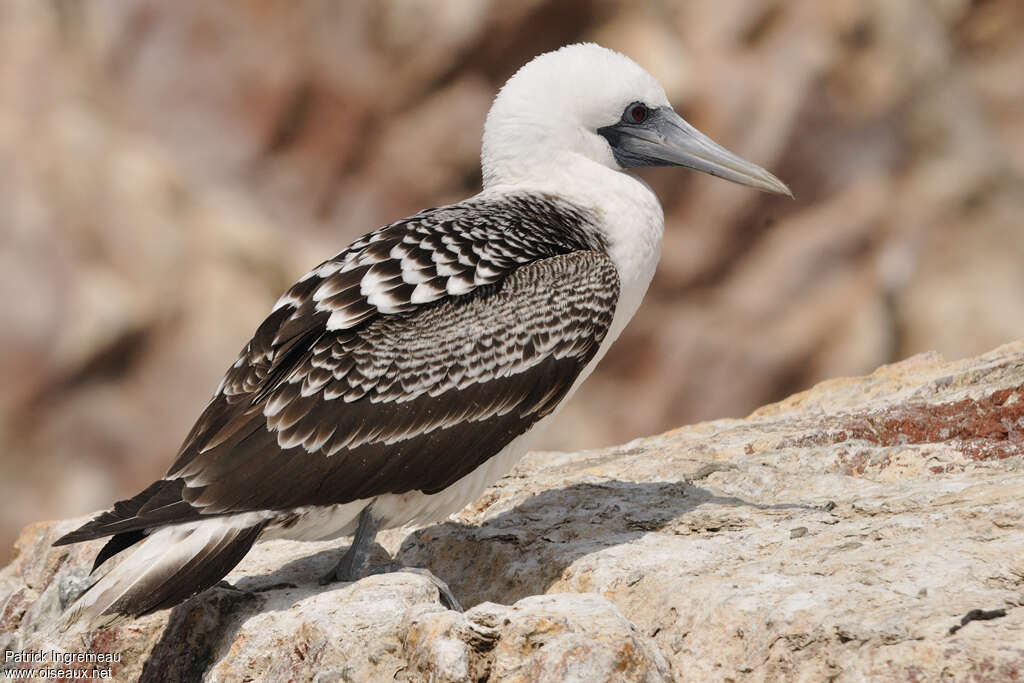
x: 167, y: 169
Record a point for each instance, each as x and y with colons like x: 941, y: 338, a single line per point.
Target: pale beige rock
x: 168, y: 169
x: 558, y: 637
x: 844, y: 533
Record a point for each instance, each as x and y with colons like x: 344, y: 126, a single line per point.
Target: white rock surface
x: 168, y: 169
x: 868, y: 529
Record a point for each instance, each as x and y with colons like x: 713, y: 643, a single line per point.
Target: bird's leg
x: 352, y: 563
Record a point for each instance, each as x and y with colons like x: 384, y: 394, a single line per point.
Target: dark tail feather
x: 167, y: 567
x: 115, y: 545
x: 160, y: 504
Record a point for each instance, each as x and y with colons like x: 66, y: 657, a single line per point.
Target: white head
x: 587, y: 104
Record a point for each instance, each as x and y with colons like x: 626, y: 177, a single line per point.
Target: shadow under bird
x: 396, y: 381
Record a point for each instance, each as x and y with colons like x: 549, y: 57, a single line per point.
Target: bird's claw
x: 448, y: 598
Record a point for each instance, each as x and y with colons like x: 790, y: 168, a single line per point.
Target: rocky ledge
x: 869, y: 528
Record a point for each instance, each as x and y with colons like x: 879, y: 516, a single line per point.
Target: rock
x: 559, y: 637
x: 867, y: 529
x: 168, y: 169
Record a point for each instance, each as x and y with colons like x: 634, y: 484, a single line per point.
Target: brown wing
x: 404, y: 362
x: 414, y: 400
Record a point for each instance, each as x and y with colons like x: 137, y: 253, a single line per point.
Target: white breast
x: 633, y: 223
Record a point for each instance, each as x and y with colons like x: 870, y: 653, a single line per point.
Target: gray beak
x: 666, y: 139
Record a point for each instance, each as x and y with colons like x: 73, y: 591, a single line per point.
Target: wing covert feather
x: 412, y: 400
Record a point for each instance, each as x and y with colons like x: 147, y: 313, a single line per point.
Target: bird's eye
x: 637, y: 112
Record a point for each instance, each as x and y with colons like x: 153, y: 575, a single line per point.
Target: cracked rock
x: 674, y: 557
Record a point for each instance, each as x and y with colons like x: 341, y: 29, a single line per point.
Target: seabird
x: 397, y: 380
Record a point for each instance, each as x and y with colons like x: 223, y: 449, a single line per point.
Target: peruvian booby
x: 394, y: 382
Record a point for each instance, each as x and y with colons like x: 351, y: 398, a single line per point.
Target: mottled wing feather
x: 366, y: 379
x: 437, y: 253
x: 414, y: 400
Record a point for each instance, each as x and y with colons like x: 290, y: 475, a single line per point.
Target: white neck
x: 628, y: 213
